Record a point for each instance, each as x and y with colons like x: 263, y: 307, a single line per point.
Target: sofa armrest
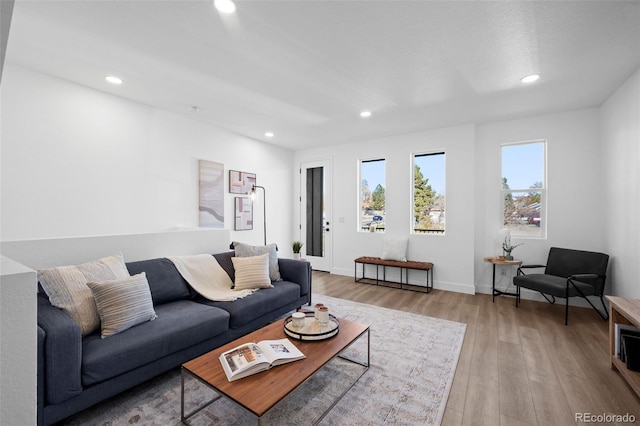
x: 62, y: 353
x: 40, y: 376
x: 298, y: 272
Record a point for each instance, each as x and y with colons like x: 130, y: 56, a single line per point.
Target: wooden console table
x: 404, y: 266
x: 623, y: 311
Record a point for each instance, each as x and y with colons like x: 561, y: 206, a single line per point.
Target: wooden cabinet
x: 623, y: 311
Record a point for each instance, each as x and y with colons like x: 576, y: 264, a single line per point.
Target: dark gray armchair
x: 568, y: 273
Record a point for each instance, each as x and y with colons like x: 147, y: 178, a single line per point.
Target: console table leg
x: 493, y: 286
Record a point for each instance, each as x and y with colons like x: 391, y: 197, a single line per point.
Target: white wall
x: 49, y: 253
x: 75, y: 162
x: 621, y: 160
x: 79, y: 162
x: 18, y: 344
x: 576, y: 217
x: 452, y: 253
x: 574, y: 180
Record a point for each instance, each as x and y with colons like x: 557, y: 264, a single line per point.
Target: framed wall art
x: 241, y: 182
x: 211, y: 195
x: 243, y: 214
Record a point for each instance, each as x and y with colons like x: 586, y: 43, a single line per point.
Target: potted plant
x: 297, y: 245
x: 507, y: 248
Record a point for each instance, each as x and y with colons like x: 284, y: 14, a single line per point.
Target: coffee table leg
x: 362, y: 363
x: 366, y: 368
x: 185, y: 418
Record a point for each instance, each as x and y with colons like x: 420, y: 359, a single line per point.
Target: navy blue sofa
x: 75, y: 372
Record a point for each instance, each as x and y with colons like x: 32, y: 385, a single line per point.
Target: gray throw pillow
x: 247, y: 250
x: 122, y: 303
x: 67, y: 288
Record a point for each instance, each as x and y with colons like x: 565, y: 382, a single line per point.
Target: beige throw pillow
x: 251, y: 272
x: 247, y: 250
x: 395, y: 249
x: 67, y: 288
x: 123, y: 303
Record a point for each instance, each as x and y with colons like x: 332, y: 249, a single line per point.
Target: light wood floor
x: 518, y: 366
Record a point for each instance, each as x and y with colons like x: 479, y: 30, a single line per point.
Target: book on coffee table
x: 251, y: 358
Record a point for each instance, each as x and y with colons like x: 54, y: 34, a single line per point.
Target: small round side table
x: 500, y: 260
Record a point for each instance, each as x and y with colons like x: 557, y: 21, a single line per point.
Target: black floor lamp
x: 264, y: 206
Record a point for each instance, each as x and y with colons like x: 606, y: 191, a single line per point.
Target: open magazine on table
x: 251, y: 358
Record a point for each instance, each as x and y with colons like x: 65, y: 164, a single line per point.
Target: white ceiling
x: 305, y: 69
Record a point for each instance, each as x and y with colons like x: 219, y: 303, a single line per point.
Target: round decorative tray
x: 312, y: 330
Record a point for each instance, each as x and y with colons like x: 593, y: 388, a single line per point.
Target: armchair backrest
x: 566, y: 262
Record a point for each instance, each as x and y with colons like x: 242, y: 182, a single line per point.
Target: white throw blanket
x: 206, y: 276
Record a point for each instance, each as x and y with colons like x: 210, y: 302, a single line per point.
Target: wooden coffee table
x: 261, y: 392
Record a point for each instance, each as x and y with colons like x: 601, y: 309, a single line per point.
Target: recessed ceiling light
x: 269, y: 134
x: 530, y: 78
x: 194, y: 108
x: 225, y: 6
x: 113, y: 79
x: 365, y: 114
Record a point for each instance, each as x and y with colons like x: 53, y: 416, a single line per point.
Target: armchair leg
x: 552, y: 300
x: 566, y: 304
x: 605, y: 315
x: 604, y: 308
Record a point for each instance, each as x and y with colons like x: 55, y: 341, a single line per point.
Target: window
x: 428, y: 193
x: 372, y: 195
x: 524, y: 188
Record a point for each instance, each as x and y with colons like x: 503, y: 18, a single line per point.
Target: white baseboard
x: 439, y: 285
x: 342, y: 271
x: 455, y: 287
x: 486, y: 289
x: 527, y: 294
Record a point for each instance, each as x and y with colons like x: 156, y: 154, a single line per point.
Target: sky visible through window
x: 523, y: 164
x: 432, y: 168
x: 373, y: 172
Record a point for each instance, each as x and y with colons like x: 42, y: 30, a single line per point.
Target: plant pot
x: 508, y: 257
x: 296, y: 256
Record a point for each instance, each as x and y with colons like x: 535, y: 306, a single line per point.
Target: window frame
x: 543, y: 191
x: 360, y: 209
x: 412, y: 227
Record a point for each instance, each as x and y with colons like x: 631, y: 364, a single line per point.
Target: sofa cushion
x: 179, y: 325
x: 246, y: 250
x: 67, y: 288
x: 165, y: 282
x: 224, y: 260
x: 260, y: 303
x: 251, y: 272
x: 123, y: 303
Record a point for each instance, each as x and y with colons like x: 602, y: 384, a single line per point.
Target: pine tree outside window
x: 429, y: 193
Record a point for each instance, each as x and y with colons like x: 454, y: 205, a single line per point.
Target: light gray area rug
x: 413, y: 361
